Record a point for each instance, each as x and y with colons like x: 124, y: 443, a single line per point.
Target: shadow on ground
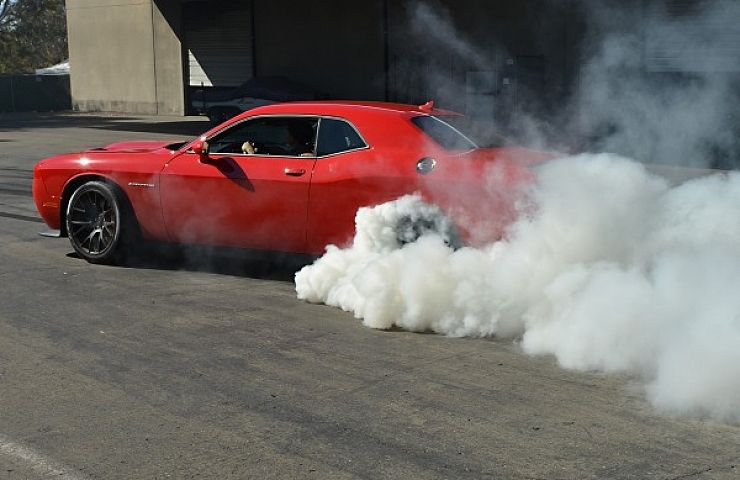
x: 187, y: 127
x: 276, y: 266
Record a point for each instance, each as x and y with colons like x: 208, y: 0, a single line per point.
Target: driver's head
x: 300, y: 133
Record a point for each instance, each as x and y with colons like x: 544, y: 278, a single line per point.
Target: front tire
x: 95, y: 222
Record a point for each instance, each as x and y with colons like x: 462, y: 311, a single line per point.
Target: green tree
x: 33, y: 34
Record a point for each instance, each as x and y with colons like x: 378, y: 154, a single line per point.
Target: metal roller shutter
x: 218, y: 37
x: 693, y: 36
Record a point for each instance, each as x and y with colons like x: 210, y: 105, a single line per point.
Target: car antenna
x: 427, y: 107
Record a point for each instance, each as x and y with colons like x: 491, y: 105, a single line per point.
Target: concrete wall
x: 124, y: 57
x: 168, y: 57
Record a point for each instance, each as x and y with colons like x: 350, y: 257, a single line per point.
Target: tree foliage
x: 33, y: 34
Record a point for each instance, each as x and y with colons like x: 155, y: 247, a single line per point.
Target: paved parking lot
x: 206, y: 365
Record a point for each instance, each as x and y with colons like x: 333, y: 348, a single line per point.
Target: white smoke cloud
x: 607, y: 268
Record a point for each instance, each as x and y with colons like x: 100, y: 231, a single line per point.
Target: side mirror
x: 200, y: 148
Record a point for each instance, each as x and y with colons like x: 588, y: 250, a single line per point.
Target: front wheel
x: 94, y: 222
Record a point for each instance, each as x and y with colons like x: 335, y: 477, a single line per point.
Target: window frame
x: 316, y: 145
x: 365, y: 146
x: 264, y: 155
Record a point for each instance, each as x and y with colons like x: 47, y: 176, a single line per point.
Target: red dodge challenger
x: 284, y: 177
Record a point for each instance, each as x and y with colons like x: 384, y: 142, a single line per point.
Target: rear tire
x: 409, y: 230
x: 99, y: 224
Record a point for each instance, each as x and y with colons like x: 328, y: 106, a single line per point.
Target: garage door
x: 693, y: 36
x: 218, y: 37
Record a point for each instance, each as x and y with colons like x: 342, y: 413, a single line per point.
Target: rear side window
x: 337, y: 136
x: 447, y: 136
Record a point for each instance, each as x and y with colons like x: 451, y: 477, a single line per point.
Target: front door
x: 250, y: 190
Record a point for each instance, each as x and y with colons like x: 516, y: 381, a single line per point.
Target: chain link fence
x: 39, y: 93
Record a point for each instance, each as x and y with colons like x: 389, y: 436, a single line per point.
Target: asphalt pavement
x: 203, y: 364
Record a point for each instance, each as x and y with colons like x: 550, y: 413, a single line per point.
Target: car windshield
x: 446, y: 135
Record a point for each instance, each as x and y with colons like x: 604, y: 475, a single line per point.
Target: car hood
x: 134, y: 147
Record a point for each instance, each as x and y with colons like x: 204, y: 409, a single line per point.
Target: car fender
x: 140, y: 190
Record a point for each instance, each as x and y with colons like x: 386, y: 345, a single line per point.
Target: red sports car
x: 286, y: 177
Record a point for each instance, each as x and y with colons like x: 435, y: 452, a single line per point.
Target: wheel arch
x: 74, y: 183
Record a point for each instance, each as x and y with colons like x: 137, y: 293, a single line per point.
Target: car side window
x: 447, y: 136
x: 337, y: 136
x: 280, y: 136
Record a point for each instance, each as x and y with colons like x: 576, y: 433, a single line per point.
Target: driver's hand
x: 248, y: 148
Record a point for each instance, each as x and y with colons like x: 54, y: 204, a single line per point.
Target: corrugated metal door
x: 693, y: 36
x: 218, y: 38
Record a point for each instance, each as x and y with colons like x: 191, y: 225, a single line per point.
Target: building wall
x: 127, y: 55
x: 124, y: 57
x: 168, y: 58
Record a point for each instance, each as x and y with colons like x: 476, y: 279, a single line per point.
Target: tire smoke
x: 607, y: 268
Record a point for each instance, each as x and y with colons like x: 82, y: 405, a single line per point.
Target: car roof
x: 329, y: 107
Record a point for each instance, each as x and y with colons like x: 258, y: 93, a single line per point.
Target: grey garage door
x: 693, y: 36
x: 218, y: 38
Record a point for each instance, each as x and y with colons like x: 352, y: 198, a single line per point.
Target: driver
x: 300, y: 140
x: 299, y: 143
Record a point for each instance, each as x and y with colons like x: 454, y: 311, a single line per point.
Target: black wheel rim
x: 93, y: 222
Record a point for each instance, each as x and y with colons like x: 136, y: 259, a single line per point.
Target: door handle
x: 295, y: 172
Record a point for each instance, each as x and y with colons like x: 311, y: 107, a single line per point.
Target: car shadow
x: 254, y: 264
x: 186, y: 127
x: 189, y: 128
